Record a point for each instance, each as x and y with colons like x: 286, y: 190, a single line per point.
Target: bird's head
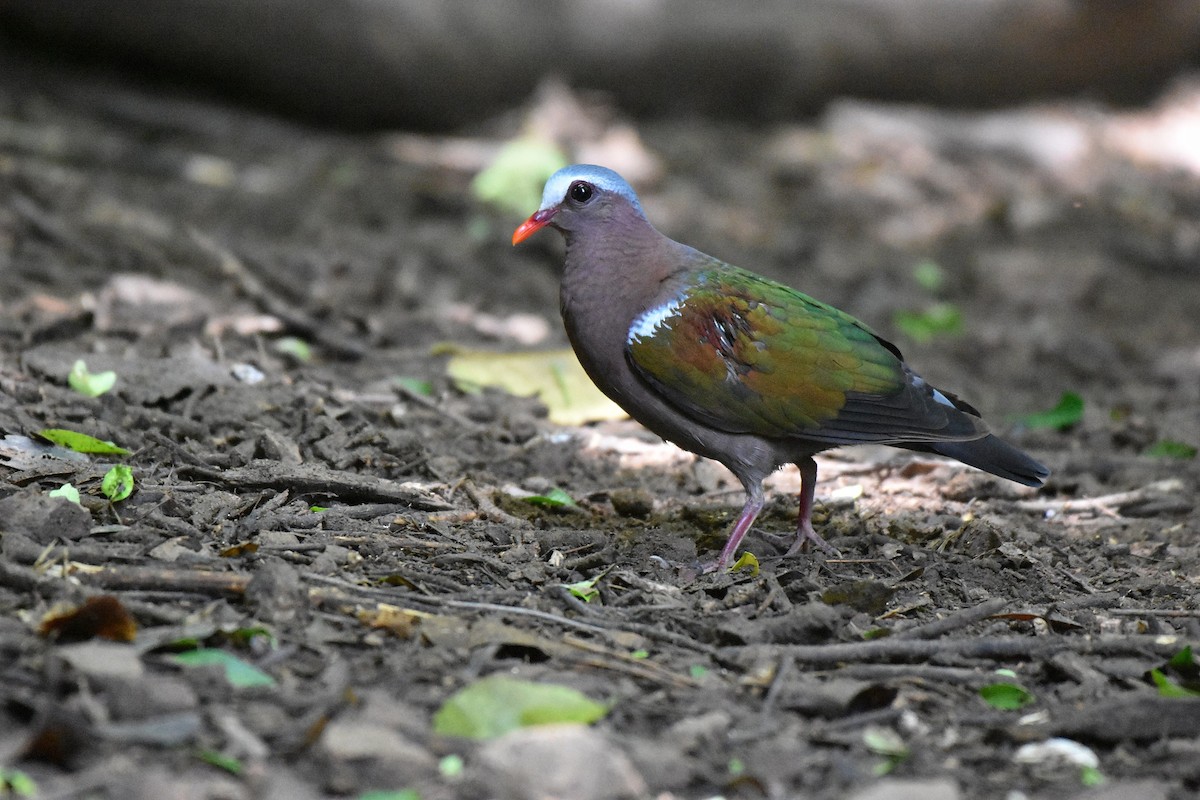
x: 577, y: 194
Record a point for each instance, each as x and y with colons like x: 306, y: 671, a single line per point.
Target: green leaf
x: 746, y: 560
x: 940, y: 319
x: 16, y: 782
x: 66, y: 491
x: 888, y: 743
x: 416, y: 386
x: 640, y: 654
x: 117, y: 483
x: 1183, y: 659
x: 183, y: 643
x: 1068, y: 412
x: 1005, y: 696
x: 698, y: 671
x: 1179, y: 676
x: 496, y: 705
x: 318, y: 509
x: 1091, y: 776
x: 227, y: 763
x: 294, y: 347
x: 1168, y: 687
x: 451, y: 766
x: 390, y: 794
x: 513, y: 181
x: 81, y: 442
x: 736, y: 766
x: 237, y: 671
x: 929, y: 276
x: 1170, y: 449
x: 884, y: 741
x: 89, y: 384
x: 585, y: 590
x: 247, y: 635
x: 555, y: 498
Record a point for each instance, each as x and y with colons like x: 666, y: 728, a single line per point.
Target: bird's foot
x: 806, y: 538
x: 801, y: 542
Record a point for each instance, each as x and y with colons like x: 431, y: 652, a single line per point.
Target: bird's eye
x: 580, y: 191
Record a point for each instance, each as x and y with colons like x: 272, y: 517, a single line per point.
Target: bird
x: 733, y: 366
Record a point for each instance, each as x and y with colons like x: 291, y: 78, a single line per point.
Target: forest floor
x: 187, y: 246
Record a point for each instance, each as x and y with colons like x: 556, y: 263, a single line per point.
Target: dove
x: 735, y: 367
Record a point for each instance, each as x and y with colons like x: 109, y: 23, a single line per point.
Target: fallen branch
x: 318, y: 480
x: 1106, y: 503
x: 922, y: 672
x: 491, y: 511
x: 1154, y: 612
x: 993, y: 648
x: 166, y: 580
x: 601, y: 625
x: 954, y: 621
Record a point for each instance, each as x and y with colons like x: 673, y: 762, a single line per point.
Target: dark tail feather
x: 993, y: 455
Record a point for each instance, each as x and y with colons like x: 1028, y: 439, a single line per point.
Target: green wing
x: 744, y: 354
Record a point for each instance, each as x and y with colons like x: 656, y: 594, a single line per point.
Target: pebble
x: 907, y: 789
x: 550, y: 761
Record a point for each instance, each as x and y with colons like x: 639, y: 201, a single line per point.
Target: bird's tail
x: 994, y: 455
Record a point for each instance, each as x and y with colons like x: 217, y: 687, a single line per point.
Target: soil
x: 179, y: 243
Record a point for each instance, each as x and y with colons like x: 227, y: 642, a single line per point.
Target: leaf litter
x: 423, y: 575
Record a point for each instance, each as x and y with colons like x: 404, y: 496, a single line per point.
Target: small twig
x: 1103, y: 503
x: 490, y: 510
x: 996, y: 648
x: 168, y: 580
x: 253, y: 287
x: 1088, y: 601
x: 602, y: 625
x: 1078, y: 580
x: 786, y: 665
x: 406, y: 598
x: 493, y: 567
x: 923, y: 672
x: 24, y: 579
x: 319, y: 480
x: 574, y: 603
x: 545, y: 616
x: 954, y: 621
x: 438, y: 408
x: 1154, y: 612
x: 620, y: 661
x: 657, y: 633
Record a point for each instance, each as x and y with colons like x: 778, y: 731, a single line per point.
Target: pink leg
x: 754, y: 504
x: 805, y: 535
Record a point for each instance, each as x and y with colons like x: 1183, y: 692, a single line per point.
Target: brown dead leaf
x: 101, y: 617
x: 401, y: 622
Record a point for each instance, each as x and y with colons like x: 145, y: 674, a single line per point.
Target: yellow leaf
x: 400, y: 621
x: 746, y: 561
x: 555, y: 376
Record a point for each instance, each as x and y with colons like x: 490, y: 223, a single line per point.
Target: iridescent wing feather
x: 744, y: 354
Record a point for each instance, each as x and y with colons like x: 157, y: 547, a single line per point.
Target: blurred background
x: 441, y: 64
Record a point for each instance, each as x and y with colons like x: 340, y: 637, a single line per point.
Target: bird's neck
x: 612, y: 275
x: 615, y: 270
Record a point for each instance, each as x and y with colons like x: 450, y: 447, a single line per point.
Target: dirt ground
x: 178, y: 243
